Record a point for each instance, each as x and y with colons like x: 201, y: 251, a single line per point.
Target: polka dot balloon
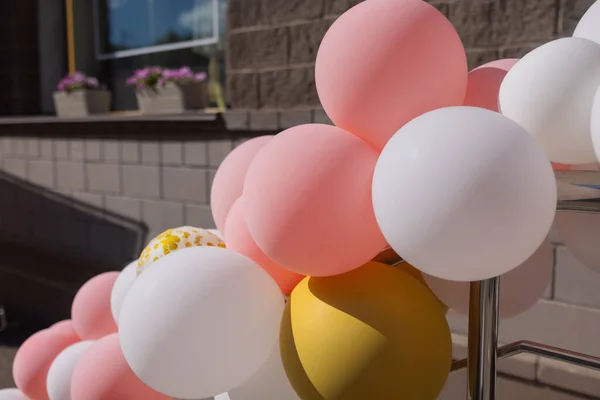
x: 175, y: 239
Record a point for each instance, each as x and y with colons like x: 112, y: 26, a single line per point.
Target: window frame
x: 152, y: 49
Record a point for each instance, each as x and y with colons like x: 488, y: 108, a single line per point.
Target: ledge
x: 273, y: 120
x: 113, y: 117
x: 236, y: 122
x: 123, y: 125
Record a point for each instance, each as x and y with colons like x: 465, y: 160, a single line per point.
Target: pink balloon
x: 384, y: 63
x: 91, y: 314
x: 484, y: 83
x: 520, y: 288
x: 307, y: 200
x: 229, y: 180
x: 33, y: 360
x: 67, y: 327
x: 102, y: 373
x: 238, y: 239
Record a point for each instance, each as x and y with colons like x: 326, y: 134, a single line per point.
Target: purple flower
x: 154, y: 76
x: 142, y: 73
x: 78, y: 77
x: 200, y: 77
x: 92, y: 82
x: 65, y: 83
x: 185, y: 73
x: 170, y: 74
x: 77, y: 81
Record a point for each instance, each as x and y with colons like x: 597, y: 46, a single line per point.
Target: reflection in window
x: 126, y: 28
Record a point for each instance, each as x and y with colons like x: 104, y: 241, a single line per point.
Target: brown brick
x: 244, y: 13
x: 528, y: 21
x: 264, y: 48
x: 442, y: 7
x: 288, y: 88
x: 305, y: 40
x: 241, y: 50
x: 473, y: 19
x: 278, y: 11
x: 336, y: 7
x: 494, y: 23
x: 243, y: 90
x: 479, y: 57
x: 516, y: 52
x: 352, y: 3
x: 570, y: 13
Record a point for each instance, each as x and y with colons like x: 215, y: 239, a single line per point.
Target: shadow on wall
x: 50, y: 245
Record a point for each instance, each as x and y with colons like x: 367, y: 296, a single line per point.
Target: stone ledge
x: 569, y: 377
x: 273, y: 120
x: 553, y: 323
x: 535, y: 369
x: 264, y: 120
x: 114, y: 117
x: 508, y: 388
x: 237, y: 120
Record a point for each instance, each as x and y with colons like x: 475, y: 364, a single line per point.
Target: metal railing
x: 579, y: 191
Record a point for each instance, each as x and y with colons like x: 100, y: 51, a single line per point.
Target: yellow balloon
x: 176, y: 239
x: 415, y: 273
x: 372, y: 333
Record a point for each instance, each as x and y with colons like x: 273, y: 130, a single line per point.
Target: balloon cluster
x: 81, y: 358
x: 449, y: 168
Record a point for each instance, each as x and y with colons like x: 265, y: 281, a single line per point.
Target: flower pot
x: 82, y: 103
x: 172, y: 98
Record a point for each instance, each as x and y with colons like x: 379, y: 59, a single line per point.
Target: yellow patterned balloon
x: 175, y: 239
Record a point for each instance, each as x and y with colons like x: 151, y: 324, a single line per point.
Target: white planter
x: 82, y: 103
x: 172, y: 98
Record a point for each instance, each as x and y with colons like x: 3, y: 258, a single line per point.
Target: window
x: 126, y: 28
x: 131, y: 34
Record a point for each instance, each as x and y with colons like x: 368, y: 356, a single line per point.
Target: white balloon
x: 550, y: 92
x: 222, y: 396
x: 270, y: 382
x: 464, y: 194
x: 589, y: 25
x: 216, y: 233
x: 580, y: 232
x: 12, y: 394
x: 520, y: 288
x: 200, y: 322
x: 595, y: 126
x: 58, y: 381
x: 121, y: 288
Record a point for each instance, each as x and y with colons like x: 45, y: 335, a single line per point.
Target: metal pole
x: 483, y: 339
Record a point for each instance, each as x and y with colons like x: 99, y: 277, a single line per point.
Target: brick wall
x: 160, y: 181
x: 273, y: 43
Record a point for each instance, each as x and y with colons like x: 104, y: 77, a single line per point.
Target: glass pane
x: 135, y: 24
